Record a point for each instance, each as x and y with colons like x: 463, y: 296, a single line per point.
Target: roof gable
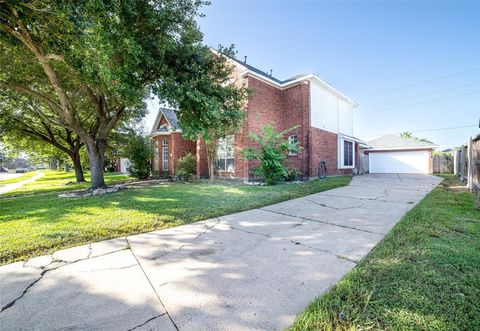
x: 170, y: 116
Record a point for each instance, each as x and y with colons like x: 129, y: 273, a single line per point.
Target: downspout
x: 309, y: 119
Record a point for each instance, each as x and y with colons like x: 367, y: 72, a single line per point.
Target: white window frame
x: 290, y: 142
x: 165, y: 142
x: 156, y: 160
x: 225, y: 156
x: 165, y: 159
x: 341, y: 156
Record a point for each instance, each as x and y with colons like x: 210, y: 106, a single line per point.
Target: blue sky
x: 412, y: 66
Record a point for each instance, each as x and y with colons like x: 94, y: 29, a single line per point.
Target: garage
x: 395, y: 154
x: 399, y: 162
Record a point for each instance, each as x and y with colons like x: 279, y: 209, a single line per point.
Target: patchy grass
x: 425, y: 274
x: 25, y: 176
x: 40, y: 224
x: 56, y: 180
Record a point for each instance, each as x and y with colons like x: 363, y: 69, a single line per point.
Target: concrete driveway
x: 254, y: 270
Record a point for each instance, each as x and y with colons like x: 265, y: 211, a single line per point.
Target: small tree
x: 186, y: 167
x: 138, y: 153
x: 406, y: 135
x: 271, y: 151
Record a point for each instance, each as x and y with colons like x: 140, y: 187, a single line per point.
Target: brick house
x: 325, y: 132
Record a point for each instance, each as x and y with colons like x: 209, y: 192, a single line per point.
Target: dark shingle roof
x: 392, y: 141
x: 263, y: 73
x: 171, y: 116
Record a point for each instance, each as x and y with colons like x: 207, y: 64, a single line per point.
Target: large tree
x: 97, y: 59
x: 207, y: 87
x: 26, y: 125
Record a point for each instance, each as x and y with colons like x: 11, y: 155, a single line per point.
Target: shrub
x: 138, y: 153
x: 271, y: 151
x: 186, y: 167
x: 293, y: 174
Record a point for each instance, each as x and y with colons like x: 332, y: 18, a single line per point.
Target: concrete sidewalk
x: 254, y: 270
x: 13, y: 186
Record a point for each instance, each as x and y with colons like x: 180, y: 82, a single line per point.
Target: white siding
x: 345, y: 118
x: 329, y: 112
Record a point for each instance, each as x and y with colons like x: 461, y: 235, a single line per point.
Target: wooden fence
x: 362, y: 164
x: 467, y: 163
x: 443, y: 164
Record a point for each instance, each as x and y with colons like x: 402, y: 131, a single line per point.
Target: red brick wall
x: 179, y: 147
x: 324, y: 147
x: 296, y: 111
x: 202, y: 161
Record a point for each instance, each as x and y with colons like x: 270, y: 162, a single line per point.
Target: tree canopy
x: 92, y: 63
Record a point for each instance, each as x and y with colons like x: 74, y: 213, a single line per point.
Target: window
x: 165, y: 158
x: 155, y: 156
x: 293, y: 142
x: 225, y: 154
x: 165, y: 142
x: 348, y: 156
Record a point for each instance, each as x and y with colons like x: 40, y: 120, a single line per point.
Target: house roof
x: 170, y: 116
x: 258, y: 71
x: 396, y: 142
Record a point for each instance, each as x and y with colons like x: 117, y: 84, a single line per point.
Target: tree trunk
x: 211, y: 155
x: 77, y: 166
x: 96, y: 157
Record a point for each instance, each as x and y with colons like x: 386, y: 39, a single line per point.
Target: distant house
x: 324, y: 116
x: 394, y: 154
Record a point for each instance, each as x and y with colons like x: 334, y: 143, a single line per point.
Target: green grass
x: 425, y: 274
x: 40, y: 224
x: 25, y: 176
x: 56, y: 180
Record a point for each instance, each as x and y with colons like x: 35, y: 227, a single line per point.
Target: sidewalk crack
x: 323, y: 222
x: 326, y: 206
x: 153, y: 287
x: 147, y: 321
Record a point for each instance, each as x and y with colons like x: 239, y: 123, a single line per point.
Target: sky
x: 411, y: 66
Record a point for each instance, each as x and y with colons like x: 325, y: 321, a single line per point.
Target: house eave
x: 402, y: 148
x: 155, y: 134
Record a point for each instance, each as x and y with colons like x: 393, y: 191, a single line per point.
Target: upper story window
x: 225, y: 154
x: 293, y: 142
x: 165, y: 142
x: 347, y: 154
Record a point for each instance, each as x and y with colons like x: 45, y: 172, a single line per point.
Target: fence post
x: 462, y: 163
x: 469, y: 165
x: 456, y: 161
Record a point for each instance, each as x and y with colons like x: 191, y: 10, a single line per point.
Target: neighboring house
x: 325, y: 132
x: 122, y: 164
x: 394, y: 154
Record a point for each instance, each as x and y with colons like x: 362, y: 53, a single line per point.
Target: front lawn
x: 40, y: 224
x: 425, y: 274
x: 57, y: 181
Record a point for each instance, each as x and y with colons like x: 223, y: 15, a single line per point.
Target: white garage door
x: 399, y: 162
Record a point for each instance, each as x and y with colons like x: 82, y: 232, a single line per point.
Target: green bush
x: 186, y: 167
x: 138, y: 153
x: 271, y: 151
x: 293, y: 174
